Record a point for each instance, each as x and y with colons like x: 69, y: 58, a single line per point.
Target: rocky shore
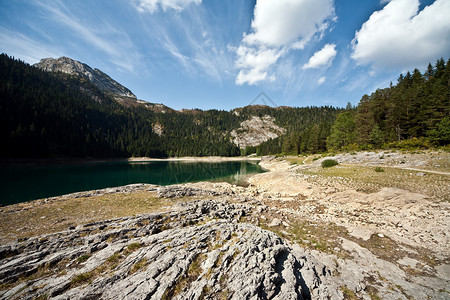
x: 296, y: 232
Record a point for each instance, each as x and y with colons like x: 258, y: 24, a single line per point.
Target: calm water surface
x: 21, y: 184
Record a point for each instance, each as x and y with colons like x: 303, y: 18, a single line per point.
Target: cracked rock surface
x: 199, y: 250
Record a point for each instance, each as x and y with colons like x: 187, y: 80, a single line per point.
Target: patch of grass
x: 235, y: 254
x: 192, y: 273
x: 41, y: 271
x: 81, y: 279
x: 195, y: 268
x: 402, y: 290
x: 364, y: 179
x: 23, y: 220
x: 206, y: 291
x: 323, y: 236
x: 223, y: 295
x: 83, y: 258
x: 328, y: 163
x: 114, y: 258
x: 379, y: 169
x: 131, y: 248
x: 388, y: 249
x: 373, y: 292
x: 139, y: 265
x: 348, y: 293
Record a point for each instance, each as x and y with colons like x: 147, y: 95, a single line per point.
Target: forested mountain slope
x: 60, y: 114
x: 56, y: 114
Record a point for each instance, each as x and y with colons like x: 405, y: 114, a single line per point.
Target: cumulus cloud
x: 254, y: 63
x: 277, y: 27
x: 153, y: 6
x: 277, y: 23
x: 401, y: 36
x: 323, y: 57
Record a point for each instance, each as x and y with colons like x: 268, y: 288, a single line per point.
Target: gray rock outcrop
x: 199, y: 250
x: 256, y: 131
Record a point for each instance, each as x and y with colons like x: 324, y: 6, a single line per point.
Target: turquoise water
x: 21, y: 184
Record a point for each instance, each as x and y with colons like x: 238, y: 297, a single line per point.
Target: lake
x: 25, y: 183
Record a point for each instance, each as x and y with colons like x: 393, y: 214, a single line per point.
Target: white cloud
x: 277, y: 27
x: 153, y: 6
x: 321, y: 80
x: 254, y: 62
x: 401, y: 36
x: 323, y: 57
x: 277, y: 23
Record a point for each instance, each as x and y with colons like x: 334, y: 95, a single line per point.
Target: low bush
x: 379, y: 169
x: 410, y: 144
x: 327, y: 163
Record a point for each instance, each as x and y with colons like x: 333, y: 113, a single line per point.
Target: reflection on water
x: 20, y: 184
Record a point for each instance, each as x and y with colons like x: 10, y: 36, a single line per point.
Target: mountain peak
x: 97, y: 77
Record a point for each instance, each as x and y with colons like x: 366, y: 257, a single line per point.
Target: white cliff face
x: 256, y: 131
x: 158, y: 129
x: 97, y: 77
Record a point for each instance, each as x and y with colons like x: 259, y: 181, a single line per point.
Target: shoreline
x: 195, y: 159
x: 12, y: 162
x: 232, y: 179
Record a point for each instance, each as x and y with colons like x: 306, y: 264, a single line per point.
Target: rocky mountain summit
x: 97, y: 77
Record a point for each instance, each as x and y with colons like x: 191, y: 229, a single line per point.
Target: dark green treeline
x: 45, y: 115
x: 415, y: 112
x: 49, y: 115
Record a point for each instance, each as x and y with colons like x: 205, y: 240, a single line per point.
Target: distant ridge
x: 95, y: 76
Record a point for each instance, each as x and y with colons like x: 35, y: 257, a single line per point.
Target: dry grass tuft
x: 36, y: 218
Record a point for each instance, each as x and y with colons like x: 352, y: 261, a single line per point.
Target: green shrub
x: 379, y: 169
x: 410, y: 144
x: 327, y: 163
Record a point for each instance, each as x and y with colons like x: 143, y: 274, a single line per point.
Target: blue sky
x: 222, y: 53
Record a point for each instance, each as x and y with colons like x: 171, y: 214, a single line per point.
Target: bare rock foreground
x: 296, y: 232
x: 199, y: 250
